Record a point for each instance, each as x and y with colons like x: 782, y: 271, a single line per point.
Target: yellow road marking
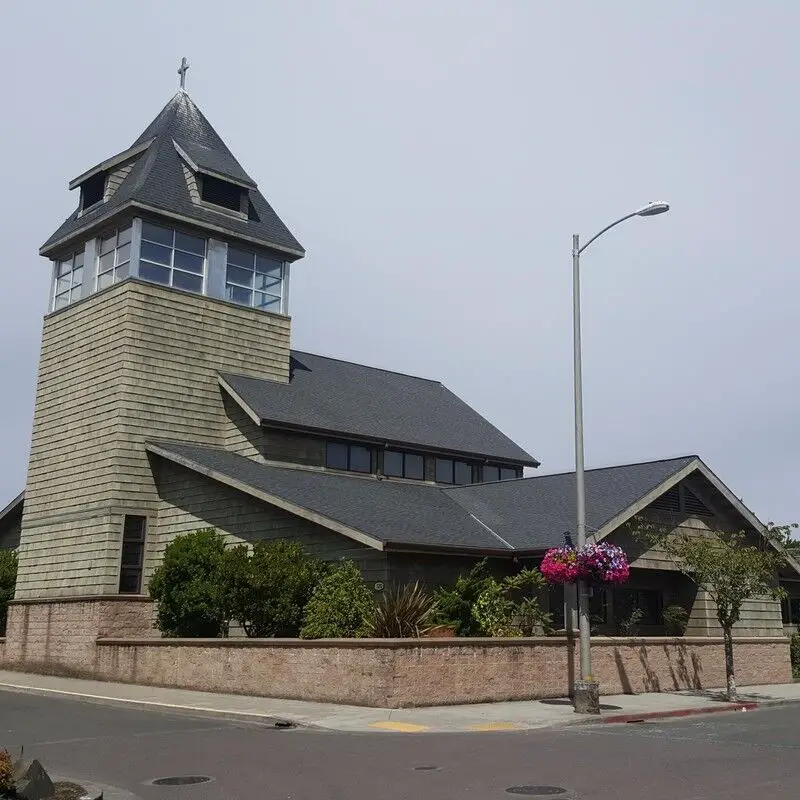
x: 495, y: 726
x: 400, y: 727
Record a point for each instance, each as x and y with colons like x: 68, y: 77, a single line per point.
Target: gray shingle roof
x: 157, y: 180
x: 389, y: 511
x: 325, y: 394
x: 524, y: 515
x: 533, y: 513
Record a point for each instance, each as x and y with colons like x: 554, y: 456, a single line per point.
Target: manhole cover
x: 536, y: 791
x: 425, y: 768
x: 181, y: 780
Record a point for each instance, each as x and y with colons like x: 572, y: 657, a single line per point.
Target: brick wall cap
x: 82, y: 598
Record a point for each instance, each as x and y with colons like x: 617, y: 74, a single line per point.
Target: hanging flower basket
x: 596, y: 563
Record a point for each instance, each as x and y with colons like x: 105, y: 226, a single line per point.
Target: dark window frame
x: 620, y: 609
x: 405, y: 455
x: 349, y: 448
x: 134, y: 540
x: 93, y: 191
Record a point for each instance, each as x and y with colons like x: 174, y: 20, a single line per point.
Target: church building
x: 169, y: 399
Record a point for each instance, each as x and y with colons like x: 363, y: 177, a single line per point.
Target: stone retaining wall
x: 61, y: 637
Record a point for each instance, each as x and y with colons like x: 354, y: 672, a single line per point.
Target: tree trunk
x: 730, y: 676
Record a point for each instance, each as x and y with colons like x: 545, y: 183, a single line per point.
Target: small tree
x: 500, y: 611
x: 266, y: 591
x: 188, y: 586
x: 728, y: 568
x: 454, y: 604
x: 8, y: 582
x: 340, y: 607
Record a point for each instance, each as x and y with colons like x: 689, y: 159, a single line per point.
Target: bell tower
x: 172, y: 269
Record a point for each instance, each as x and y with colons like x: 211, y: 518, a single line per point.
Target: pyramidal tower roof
x: 162, y: 172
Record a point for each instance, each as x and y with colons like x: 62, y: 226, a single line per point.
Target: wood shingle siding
x: 132, y: 363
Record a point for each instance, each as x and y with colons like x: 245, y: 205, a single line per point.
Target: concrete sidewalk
x: 510, y: 716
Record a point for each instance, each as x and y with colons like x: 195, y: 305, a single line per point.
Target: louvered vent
x: 669, y: 501
x: 692, y: 504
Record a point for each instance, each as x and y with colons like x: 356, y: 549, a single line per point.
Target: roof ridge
x: 615, y: 466
x: 366, y: 366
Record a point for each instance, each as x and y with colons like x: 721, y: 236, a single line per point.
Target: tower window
x: 113, y: 263
x: 221, y: 193
x: 92, y: 190
x: 254, y: 280
x: 172, y: 258
x: 133, y: 536
x: 69, y: 280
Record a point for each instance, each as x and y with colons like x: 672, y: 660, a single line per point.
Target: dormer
x: 177, y: 209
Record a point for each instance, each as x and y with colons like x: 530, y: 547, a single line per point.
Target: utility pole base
x: 586, y: 697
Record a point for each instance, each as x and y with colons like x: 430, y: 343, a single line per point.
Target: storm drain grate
x: 426, y: 768
x: 536, y: 791
x: 180, y: 780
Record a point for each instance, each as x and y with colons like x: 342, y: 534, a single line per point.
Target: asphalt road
x: 732, y: 756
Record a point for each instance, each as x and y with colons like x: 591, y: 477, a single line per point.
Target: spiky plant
x: 403, y: 612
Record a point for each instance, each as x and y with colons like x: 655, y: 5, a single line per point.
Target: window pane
x: 123, y: 254
x: 121, y: 272
x: 107, y: 245
x: 336, y: 455
x: 134, y: 528
x: 239, y: 275
x: 444, y: 470
x: 75, y: 294
x: 64, y: 268
x: 77, y: 276
x: 79, y: 260
x: 106, y: 262
x: 63, y: 284
x: 360, y: 458
x: 242, y: 258
x: 129, y: 580
x: 393, y: 464
x: 189, y: 262
x: 184, y: 280
x: 491, y: 473
x: 61, y: 300
x: 415, y: 466
x: 268, y: 283
x: 155, y: 233
x: 267, y: 302
x: 507, y: 473
x: 463, y: 472
x: 268, y: 266
x: 105, y: 279
x: 154, y: 273
x: 598, y: 607
x: 132, y: 554
x: 650, y: 602
x: 124, y: 236
x: 193, y: 244
x: 156, y: 252
x: 239, y: 295
x: 794, y: 609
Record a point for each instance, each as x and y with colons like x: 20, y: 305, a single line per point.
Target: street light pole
x: 586, y: 697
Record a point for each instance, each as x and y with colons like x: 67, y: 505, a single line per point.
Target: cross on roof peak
x: 182, y: 70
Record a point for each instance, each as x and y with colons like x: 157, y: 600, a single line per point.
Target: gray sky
x: 434, y: 157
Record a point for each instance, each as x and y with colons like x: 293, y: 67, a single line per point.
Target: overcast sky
x: 434, y: 158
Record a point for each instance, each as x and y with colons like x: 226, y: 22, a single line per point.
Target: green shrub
x: 188, y: 586
x: 8, y: 581
x: 403, y: 612
x: 7, y: 786
x: 629, y: 625
x: 512, y: 608
x: 794, y: 650
x: 340, y: 607
x: 454, y: 604
x: 675, y: 619
x: 266, y: 591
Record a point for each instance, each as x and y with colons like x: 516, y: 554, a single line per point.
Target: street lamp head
x: 651, y: 209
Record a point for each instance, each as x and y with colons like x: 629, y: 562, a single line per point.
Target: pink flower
x: 597, y: 563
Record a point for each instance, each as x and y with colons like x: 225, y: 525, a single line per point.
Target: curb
x: 677, y: 713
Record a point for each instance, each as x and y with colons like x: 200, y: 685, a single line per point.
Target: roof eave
x: 195, y: 167
x: 110, y: 163
x: 266, y: 497
x: 50, y: 247
x: 16, y: 504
